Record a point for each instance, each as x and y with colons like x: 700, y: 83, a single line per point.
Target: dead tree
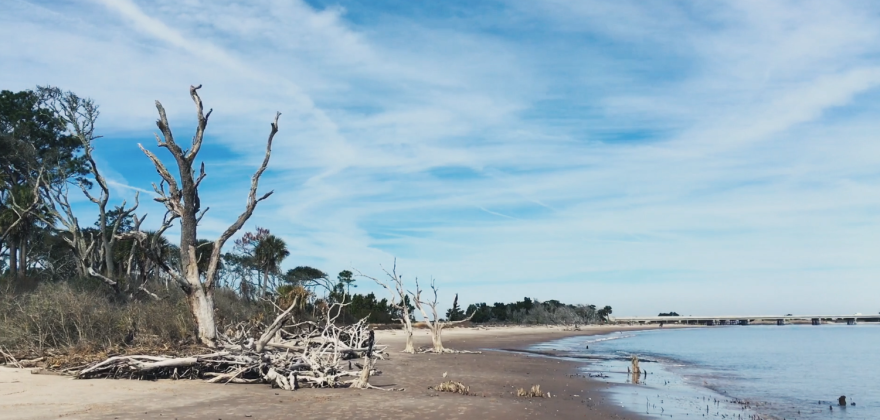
x: 81, y: 114
x: 23, y: 210
x: 434, y: 323
x: 182, y: 202
x: 139, y: 255
x: 399, y: 302
x: 81, y: 245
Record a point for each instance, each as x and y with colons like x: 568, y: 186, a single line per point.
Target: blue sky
x: 701, y: 157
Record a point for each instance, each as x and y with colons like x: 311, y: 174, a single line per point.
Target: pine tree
x: 455, y: 313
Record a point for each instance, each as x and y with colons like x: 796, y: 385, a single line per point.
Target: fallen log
x: 286, y: 355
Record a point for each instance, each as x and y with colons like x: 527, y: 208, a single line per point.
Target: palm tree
x: 18, y: 238
x: 268, y: 254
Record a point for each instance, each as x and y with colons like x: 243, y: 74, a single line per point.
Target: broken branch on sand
x: 286, y: 355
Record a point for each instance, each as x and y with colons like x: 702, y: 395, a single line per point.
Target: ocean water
x: 785, y: 372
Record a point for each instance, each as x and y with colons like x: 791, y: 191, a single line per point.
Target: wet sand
x: 493, y: 376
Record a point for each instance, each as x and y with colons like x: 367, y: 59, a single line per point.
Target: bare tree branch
x: 249, y: 210
x: 182, y: 202
x: 434, y: 323
x: 398, y: 302
x: 24, y: 212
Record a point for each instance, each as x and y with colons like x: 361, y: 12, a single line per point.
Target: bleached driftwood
x: 286, y: 354
x: 435, y: 324
x: 399, y: 301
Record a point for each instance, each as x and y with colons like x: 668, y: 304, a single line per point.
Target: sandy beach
x: 493, y: 376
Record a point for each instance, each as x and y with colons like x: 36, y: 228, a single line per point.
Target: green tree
x: 304, y: 275
x: 268, y: 255
x: 34, y: 136
x: 34, y: 142
x: 455, y: 313
x: 19, y: 233
x: 604, y: 313
x: 346, y: 278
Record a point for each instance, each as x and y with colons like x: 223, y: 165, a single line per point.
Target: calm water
x: 781, y: 371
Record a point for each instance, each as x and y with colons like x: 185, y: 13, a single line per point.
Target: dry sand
x: 492, y: 375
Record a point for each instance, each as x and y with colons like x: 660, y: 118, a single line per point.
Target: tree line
x: 532, y: 311
x: 47, y: 139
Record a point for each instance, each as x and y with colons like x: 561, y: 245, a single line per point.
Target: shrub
x: 77, y: 317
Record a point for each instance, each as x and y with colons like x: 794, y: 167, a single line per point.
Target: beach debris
x: 399, y: 301
x: 454, y: 387
x: 434, y: 323
x: 635, y: 365
x: 534, y: 392
x: 635, y: 370
x: 9, y: 359
x: 285, y: 354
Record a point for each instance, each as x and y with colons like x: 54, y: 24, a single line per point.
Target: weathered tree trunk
x: 13, y: 257
x: 110, y: 269
x: 437, y: 339
x: 201, y: 303
x: 363, y: 380
x: 408, y: 330
x: 182, y: 202
x: 22, y: 259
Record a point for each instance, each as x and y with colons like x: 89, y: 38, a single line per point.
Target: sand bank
x: 493, y: 376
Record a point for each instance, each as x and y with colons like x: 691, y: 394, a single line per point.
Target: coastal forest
x: 97, y: 282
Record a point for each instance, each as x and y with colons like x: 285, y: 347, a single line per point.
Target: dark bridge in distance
x: 745, y: 320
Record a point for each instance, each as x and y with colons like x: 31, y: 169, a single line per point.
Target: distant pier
x: 747, y: 320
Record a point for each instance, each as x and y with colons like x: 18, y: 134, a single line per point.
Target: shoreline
x: 492, y: 376
x: 630, y: 398
x: 684, y: 390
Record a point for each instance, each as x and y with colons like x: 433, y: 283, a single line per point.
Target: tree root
x: 286, y: 355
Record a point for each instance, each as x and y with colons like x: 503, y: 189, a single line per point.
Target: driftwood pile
x: 286, y: 355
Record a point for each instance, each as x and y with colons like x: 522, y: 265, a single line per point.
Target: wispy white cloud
x: 668, y: 156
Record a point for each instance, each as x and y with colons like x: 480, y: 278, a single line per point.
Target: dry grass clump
x: 59, y: 316
x: 535, y: 392
x: 454, y: 387
x: 71, y: 323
